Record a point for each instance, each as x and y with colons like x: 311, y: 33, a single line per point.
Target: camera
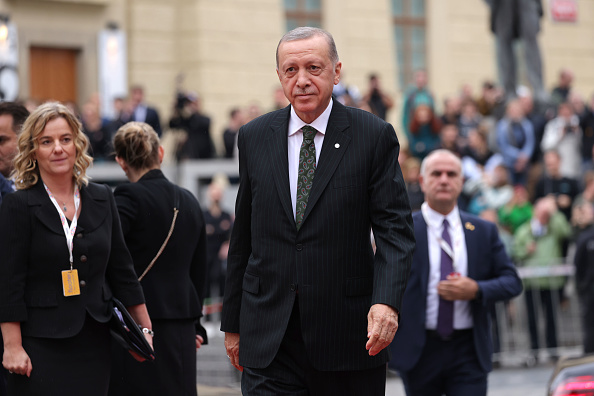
x: 181, y: 101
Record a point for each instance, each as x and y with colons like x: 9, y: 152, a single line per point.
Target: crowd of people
x: 524, y: 164
x: 528, y: 166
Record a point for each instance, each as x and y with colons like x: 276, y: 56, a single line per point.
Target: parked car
x: 573, y: 376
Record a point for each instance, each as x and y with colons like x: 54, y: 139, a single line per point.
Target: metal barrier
x: 511, y: 319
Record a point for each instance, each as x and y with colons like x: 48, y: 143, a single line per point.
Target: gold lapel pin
x: 469, y: 226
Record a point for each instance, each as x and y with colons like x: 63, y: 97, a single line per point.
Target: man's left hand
x: 457, y: 287
x: 382, y: 323
x: 199, y: 341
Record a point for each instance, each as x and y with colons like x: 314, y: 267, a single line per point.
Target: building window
x: 409, y: 35
x: 303, y: 13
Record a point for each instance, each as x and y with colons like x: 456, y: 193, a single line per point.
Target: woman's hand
x: 141, y: 316
x: 16, y: 361
x: 137, y: 357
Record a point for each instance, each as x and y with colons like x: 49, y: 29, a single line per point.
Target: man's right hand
x: 232, y: 347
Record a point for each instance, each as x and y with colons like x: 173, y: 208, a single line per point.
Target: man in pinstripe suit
x: 309, y: 309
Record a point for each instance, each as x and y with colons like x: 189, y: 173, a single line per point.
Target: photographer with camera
x: 564, y: 134
x: 188, y: 117
x: 377, y: 99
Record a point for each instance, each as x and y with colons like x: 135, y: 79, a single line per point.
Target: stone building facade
x: 225, y: 49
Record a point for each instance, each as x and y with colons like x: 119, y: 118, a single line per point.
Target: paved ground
x: 216, y: 377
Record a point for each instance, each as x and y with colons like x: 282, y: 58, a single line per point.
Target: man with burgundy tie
x: 460, y: 268
x: 308, y: 308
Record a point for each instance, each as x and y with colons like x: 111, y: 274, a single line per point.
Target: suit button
x: 83, y: 259
x: 293, y: 287
x: 79, y: 235
x: 83, y: 283
x: 299, y: 247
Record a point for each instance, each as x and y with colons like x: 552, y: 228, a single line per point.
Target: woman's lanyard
x: 68, y: 230
x: 442, y: 243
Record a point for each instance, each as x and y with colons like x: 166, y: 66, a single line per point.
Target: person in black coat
x: 199, y: 144
x: 174, y: 287
x: 64, y: 257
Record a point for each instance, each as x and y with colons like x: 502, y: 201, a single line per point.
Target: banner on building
x: 113, y: 78
x: 9, y: 61
x: 564, y: 10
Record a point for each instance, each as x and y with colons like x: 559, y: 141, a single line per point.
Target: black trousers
x: 548, y: 300
x: 291, y: 373
x: 448, y: 368
x: 587, y: 310
x: 172, y: 373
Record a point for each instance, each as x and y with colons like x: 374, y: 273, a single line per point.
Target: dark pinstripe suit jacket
x: 358, y: 185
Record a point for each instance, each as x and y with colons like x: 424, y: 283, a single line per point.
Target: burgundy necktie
x: 445, y: 314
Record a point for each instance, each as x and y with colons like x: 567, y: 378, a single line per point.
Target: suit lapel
x: 423, y: 250
x: 471, y: 245
x: 278, y: 149
x: 335, y: 145
x: 47, y: 213
x: 93, y: 212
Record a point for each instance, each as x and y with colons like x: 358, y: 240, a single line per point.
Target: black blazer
x: 34, y: 254
x: 174, y: 288
x: 488, y: 265
x: 199, y: 143
x: 358, y: 186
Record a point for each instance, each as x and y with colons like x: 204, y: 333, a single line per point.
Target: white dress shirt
x: 434, y: 220
x: 295, y: 140
x: 140, y: 113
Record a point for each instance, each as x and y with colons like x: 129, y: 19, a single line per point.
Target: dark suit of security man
x: 432, y: 362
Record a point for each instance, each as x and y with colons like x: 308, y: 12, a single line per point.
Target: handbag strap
x: 175, y: 212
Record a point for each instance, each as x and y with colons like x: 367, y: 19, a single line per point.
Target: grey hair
x: 435, y: 153
x: 306, y: 32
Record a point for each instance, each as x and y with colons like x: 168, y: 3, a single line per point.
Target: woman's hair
x: 138, y: 144
x: 26, y: 171
x: 433, y: 122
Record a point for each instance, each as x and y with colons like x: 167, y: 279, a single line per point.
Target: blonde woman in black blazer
x: 54, y: 305
x: 174, y: 287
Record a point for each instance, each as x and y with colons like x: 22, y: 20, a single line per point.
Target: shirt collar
x: 320, y: 123
x: 435, y: 219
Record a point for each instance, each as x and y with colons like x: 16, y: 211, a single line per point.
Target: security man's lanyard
x: 68, y: 230
x: 442, y: 243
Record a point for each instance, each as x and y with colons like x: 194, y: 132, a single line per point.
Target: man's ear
x: 337, y: 69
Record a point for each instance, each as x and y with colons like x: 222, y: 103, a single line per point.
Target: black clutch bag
x: 127, y: 333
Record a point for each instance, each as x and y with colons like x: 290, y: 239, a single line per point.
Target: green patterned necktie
x: 307, y: 169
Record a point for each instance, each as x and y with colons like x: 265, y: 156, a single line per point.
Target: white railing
x: 187, y: 174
